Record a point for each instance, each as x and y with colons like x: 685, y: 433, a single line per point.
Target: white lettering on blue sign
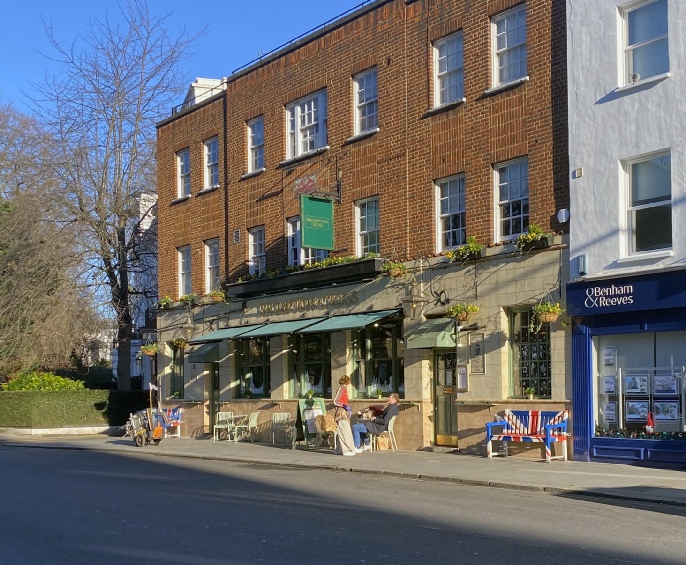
x: 608, y: 296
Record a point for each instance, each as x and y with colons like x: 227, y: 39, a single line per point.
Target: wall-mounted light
x: 582, y: 264
x: 413, y: 302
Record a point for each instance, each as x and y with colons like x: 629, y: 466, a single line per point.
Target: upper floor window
x: 298, y: 255
x: 212, y: 163
x: 509, y: 46
x: 366, y: 104
x: 257, y: 261
x: 512, y: 196
x: 184, y: 269
x: 650, y: 204
x: 183, y: 161
x: 211, y: 265
x: 367, y: 220
x: 306, y: 124
x: 448, y: 70
x: 646, y: 49
x: 450, y: 203
x: 256, y: 144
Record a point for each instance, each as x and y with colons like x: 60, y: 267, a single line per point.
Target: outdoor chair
x: 247, y: 426
x: 281, y: 421
x: 374, y: 438
x: 223, y: 421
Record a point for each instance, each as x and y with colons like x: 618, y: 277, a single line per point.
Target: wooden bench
x: 530, y: 426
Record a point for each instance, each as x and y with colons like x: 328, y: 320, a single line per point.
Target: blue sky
x: 236, y: 31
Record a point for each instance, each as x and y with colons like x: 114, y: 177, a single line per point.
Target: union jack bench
x: 530, y: 426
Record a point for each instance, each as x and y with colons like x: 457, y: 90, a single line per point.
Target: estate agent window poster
x: 610, y: 412
x: 666, y: 410
x: 664, y: 385
x: 636, y: 384
x: 609, y: 385
x: 637, y: 411
x: 609, y: 356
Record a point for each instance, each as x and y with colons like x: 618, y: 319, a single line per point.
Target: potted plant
x: 530, y: 391
x: 309, y: 394
x: 216, y: 295
x: 379, y: 393
x: 533, y: 237
x: 165, y: 302
x: 150, y: 349
x: 189, y: 299
x: 463, y: 311
x: 471, y: 249
x: 179, y: 343
x: 394, y: 268
x: 545, y: 313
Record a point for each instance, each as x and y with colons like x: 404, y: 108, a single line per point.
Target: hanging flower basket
x: 463, y: 316
x: 150, y: 349
x: 180, y: 343
x: 463, y: 312
x: 548, y: 317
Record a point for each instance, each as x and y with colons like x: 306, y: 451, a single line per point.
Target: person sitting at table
x: 375, y: 425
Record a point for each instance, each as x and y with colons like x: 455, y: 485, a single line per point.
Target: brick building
x: 424, y: 122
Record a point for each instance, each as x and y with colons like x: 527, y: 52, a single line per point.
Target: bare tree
x: 117, y: 81
x: 45, y: 311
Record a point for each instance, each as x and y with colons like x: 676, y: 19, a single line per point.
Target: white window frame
x: 257, y: 259
x: 448, y: 66
x: 366, y: 101
x: 523, y: 200
x: 306, y: 124
x: 298, y: 255
x: 363, y: 229
x: 183, y: 173
x: 629, y: 224
x: 628, y: 71
x: 212, y: 260
x: 184, y: 270
x: 256, y: 144
x: 449, y: 206
x: 509, y: 46
x: 212, y: 162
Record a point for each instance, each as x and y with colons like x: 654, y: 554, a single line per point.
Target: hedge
x: 69, y: 408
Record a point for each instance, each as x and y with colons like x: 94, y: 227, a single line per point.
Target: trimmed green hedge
x: 69, y: 408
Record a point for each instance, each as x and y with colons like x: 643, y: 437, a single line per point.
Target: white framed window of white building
x: 367, y: 222
x: 256, y: 144
x: 448, y: 69
x: 512, y: 198
x: 648, y: 183
x: 184, y: 269
x: 257, y: 260
x: 366, y: 101
x: 509, y: 45
x: 298, y: 255
x: 212, y: 281
x: 212, y: 163
x: 306, y: 124
x: 450, y: 213
x: 183, y: 168
x: 646, y: 44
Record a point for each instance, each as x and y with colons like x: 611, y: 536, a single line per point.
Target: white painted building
x: 626, y: 63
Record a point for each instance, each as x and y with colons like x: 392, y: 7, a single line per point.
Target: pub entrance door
x: 445, y: 387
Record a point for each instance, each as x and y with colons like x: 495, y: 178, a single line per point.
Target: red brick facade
x: 413, y: 147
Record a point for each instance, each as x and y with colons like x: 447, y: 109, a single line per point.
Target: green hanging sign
x: 316, y: 222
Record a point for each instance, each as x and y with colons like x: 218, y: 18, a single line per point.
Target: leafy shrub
x: 38, y: 380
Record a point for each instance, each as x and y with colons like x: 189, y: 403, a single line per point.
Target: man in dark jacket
x: 375, y: 425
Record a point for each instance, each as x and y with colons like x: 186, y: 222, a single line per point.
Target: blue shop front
x: 628, y: 368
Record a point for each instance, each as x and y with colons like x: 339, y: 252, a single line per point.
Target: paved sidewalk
x: 559, y: 477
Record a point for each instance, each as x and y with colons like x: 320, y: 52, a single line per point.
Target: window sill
x: 303, y: 157
x: 251, y: 174
x: 648, y: 255
x: 506, y: 86
x: 444, y: 108
x: 208, y: 189
x: 644, y: 82
x: 181, y: 199
x: 360, y: 136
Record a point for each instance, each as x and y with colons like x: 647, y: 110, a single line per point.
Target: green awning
x: 438, y: 332
x: 348, y: 322
x: 226, y: 333
x: 205, y: 353
x: 278, y: 328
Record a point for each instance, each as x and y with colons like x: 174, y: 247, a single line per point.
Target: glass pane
x: 650, y: 60
x: 652, y: 228
x: 647, y: 22
x: 651, y: 181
